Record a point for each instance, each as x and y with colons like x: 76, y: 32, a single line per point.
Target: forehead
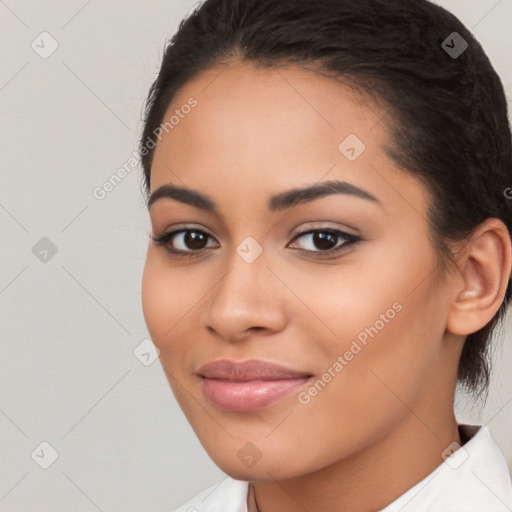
x: 259, y: 131
x: 275, y: 110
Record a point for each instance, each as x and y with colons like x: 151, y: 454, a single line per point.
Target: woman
x: 330, y: 251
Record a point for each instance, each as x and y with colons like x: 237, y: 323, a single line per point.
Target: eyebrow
x: 277, y: 202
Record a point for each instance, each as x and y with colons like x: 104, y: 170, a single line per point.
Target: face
x: 338, y: 285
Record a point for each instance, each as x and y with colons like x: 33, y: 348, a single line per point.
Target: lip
x: 252, y: 369
x: 248, y: 385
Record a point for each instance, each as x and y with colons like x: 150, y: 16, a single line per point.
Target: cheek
x: 385, y: 324
x: 372, y: 390
x: 341, y: 301
x: 167, y: 295
x: 390, y: 348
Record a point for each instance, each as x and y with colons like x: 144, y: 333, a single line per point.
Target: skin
x: 382, y: 423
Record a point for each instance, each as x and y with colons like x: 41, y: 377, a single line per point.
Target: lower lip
x: 251, y: 395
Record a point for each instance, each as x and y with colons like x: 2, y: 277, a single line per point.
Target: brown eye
x: 184, y: 241
x: 326, y: 240
x: 195, y: 240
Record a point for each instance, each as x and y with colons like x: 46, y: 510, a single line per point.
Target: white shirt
x: 475, y: 478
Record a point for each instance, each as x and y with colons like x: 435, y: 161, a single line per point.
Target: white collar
x: 475, y: 478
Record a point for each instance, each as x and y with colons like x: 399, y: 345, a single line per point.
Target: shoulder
x: 229, y: 495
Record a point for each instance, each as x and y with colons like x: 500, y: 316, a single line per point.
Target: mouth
x: 250, y: 385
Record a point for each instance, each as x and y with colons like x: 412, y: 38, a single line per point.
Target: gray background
x: 70, y: 323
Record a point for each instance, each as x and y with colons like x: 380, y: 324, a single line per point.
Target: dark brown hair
x: 446, y: 107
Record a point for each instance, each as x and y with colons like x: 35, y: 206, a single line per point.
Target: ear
x: 485, y: 272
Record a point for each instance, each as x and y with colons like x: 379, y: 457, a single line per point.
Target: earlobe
x: 485, y: 272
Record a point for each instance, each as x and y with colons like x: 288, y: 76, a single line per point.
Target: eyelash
x: 350, y: 240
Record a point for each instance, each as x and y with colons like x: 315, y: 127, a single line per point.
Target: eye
x: 192, y: 242
x: 184, y: 242
x: 327, y: 240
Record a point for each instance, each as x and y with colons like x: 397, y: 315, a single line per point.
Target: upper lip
x: 248, y: 370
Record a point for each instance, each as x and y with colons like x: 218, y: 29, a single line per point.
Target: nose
x: 248, y: 298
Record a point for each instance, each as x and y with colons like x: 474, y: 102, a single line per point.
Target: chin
x: 267, y: 468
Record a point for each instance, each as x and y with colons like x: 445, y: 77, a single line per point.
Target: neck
x: 368, y: 480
